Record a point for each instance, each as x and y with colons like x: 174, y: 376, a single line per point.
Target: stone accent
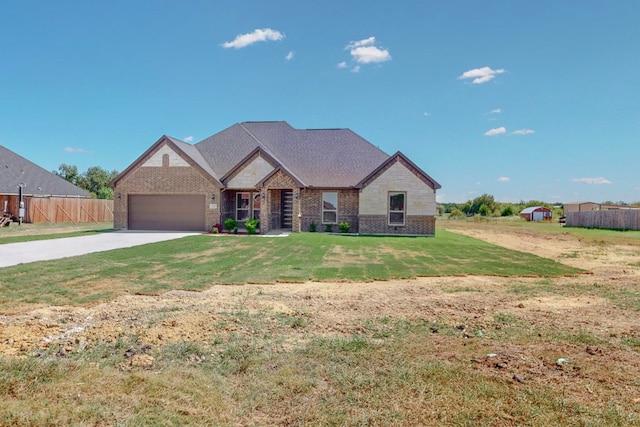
x: 158, y: 157
x: 252, y: 173
x: 424, y: 225
x: 165, y: 180
x: 421, y: 198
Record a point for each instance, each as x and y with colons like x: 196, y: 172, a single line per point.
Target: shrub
x: 216, y: 228
x: 251, y: 225
x: 344, y: 227
x: 328, y: 228
x: 230, y: 224
x: 312, y: 227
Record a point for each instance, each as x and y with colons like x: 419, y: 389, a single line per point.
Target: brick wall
x: 424, y: 225
x: 166, y: 179
x: 311, y: 209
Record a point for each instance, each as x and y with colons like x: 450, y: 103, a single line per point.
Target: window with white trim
x: 329, y: 208
x: 247, y: 206
x: 397, y: 207
x: 243, y: 206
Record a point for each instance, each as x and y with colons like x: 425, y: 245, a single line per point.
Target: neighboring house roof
x: 16, y: 170
x: 325, y: 158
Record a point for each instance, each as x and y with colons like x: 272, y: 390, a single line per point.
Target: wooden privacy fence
x: 66, y: 209
x: 615, y: 219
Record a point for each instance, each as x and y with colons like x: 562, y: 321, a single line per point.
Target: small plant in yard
x: 216, y: 228
x: 312, y: 227
x: 251, y: 225
x: 230, y: 224
x: 328, y: 228
x: 344, y: 227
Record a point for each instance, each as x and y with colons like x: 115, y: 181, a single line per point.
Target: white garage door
x: 183, y: 212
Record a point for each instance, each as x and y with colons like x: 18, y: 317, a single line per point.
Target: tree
x: 95, y: 180
x: 484, y: 205
x: 507, y: 210
x: 68, y: 173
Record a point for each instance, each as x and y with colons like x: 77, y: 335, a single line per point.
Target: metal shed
x: 536, y: 213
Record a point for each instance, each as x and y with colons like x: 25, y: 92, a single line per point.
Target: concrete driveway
x: 44, y: 250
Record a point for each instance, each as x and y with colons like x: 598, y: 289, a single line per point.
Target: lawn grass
x: 45, y: 231
x: 197, y: 262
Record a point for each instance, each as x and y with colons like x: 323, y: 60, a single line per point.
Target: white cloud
x: 365, y: 42
x: 188, y: 139
x: 366, y: 52
x: 370, y: 54
x: 342, y: 64
x: 496, y: 131
x: 258, y: 35
x: 426, y: 114
x: 76, y: 150
x: 523, y: 132
x: 594, y: 181
x: 289, y: 56
x: 504, y: 179
x: 496, y: 111
x: 481, y: 75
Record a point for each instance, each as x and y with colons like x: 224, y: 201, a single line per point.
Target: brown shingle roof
x: 324, y: 158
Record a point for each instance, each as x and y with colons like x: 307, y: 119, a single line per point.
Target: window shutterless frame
x: 397, y: 208
x: 329, y: 208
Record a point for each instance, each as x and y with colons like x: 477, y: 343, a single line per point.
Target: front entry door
x: 287, y: 209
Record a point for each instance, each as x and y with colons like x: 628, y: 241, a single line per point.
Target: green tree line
x: 486, y: 205
x: 95, y: 180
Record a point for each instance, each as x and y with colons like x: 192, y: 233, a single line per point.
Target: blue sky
x: 519, y: 99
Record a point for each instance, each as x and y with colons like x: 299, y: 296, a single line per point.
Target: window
x: 247, y: 206
x: 242, y: 206
x: 329, y: 208
x: 256, y: 206
x: 397, y: 208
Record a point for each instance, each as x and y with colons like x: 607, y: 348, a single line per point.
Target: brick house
x: 286, y: 178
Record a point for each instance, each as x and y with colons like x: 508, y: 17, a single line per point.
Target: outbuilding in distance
x: 536, y: 213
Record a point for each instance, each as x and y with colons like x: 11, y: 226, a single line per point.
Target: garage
x: 183, y: 212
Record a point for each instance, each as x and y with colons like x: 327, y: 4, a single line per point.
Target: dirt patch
x: 579, y: 309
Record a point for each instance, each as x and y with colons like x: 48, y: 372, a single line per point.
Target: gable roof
x: 16, y: 170
x: 398, y: 156
x: 181, y: 147
x: 323, y: 158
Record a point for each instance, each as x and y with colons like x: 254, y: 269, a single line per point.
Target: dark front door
x: 287, y: 209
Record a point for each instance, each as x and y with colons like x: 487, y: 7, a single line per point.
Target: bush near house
x: 230, y: 224
x: 251, y: 225
x: 344, y: 227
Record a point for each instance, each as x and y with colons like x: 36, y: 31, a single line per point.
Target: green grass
x: 197, y: 262
x: 33, y: 232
